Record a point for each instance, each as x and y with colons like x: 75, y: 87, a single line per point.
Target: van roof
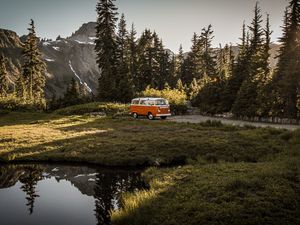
x: 145, y: 98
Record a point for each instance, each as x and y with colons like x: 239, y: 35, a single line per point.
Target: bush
x: 107, y: 108
x: 12, y: 103
x: 176, y: 98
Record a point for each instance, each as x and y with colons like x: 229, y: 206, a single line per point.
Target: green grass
x: 110, y: 109
x: 229, y: 175
x: 225, y: 193
x: 220, y: 193
x: 128, y: 142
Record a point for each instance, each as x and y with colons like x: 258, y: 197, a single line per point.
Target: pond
x: 62, y: 194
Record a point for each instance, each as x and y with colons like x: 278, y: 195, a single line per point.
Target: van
x: 150, y: 107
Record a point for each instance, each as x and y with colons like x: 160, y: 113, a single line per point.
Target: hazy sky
x: 174, y: 20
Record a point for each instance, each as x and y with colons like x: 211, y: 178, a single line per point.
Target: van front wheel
x: 135, y: 115
x: 150, y: 116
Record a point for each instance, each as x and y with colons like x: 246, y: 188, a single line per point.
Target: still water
x: 62, y: 194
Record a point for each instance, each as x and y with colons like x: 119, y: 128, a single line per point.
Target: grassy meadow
x: 219, y: 175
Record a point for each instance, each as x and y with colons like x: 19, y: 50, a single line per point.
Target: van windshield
x: 162, y: 102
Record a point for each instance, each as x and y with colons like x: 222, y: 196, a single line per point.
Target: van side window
x: 143, y: 102
x: 151, y: 102
x: 135, y: 102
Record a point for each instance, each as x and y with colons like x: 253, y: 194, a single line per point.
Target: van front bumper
x: 159, y: 115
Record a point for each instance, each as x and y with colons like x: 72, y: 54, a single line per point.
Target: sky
x: 175, y: 21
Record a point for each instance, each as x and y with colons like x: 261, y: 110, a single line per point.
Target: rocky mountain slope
x: 73, y: 57
x: 68, y: 58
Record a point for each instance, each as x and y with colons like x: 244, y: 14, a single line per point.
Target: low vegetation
x: 220, y: 175
x: 176, y: 98
x: 12, y: 103
x: 238, y: 193
x: 105, y: 108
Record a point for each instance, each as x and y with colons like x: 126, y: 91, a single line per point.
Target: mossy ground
x: 229, y: 175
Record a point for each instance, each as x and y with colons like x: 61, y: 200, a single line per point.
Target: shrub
x: 176, y: 98
x: 12, y: 103
x: 107, y: 108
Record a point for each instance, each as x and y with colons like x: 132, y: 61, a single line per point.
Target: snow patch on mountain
x: 85, y: 43
x: 81, y: 82
x: 88, y: 88
x: 46, y: 43
x: 56, y: 48
x: 50, y: 60
x: 71, y: 67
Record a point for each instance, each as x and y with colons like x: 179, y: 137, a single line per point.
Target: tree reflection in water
x: 30, y: 178
x: 104, y: 185
x: 108, y: 190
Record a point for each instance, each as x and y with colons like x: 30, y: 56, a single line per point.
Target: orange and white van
x: 150, y: 107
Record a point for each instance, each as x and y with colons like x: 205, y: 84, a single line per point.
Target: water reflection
x: 53, y: 194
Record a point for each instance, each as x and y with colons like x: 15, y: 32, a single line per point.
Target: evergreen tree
x: 73, y: 94
x: 191, y: 66
x: 145, y: 61
x: 287, y: 76
x: 133, y: 61
x: 246, y: 102
x: 34, y: 68
x: 194, y: 89
x: 179, y: 86
x: 179, y: 63
x: 3, y: 77
x: 241, y: 70
x: 124, y: 81
x: 106, y: 49
x: 158, y: 63
x: 171, y: 70
x: 20, y: 89
x: 208, y: 61
x: 264, y: 89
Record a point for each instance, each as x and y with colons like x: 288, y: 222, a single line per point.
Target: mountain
x: 67, y: 58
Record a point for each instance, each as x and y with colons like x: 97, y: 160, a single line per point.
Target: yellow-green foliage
x: 176, y: 98
x: 107, y: 108
x: 13, y: 103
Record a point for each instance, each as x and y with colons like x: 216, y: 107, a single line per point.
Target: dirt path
x: 200, y: 119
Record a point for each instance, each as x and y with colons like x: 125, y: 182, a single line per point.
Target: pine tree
x: 264, y: 88
x: 191, y: 65
x: 179, y: 86
x: 241, y: 70
x: 145, y: 61
x: 287, y: 76
x: 124, y: 82
x: 158, y: 62
x: 106, y: 49
x: 133, y: 61
x: 179, y: 63
x: 20, y: 89
x: 194, y: 89
x: 3, y: 77
x: 73, y: 94
x: 208, y: 61
x: 34, y: 68
x: 246, y: 102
